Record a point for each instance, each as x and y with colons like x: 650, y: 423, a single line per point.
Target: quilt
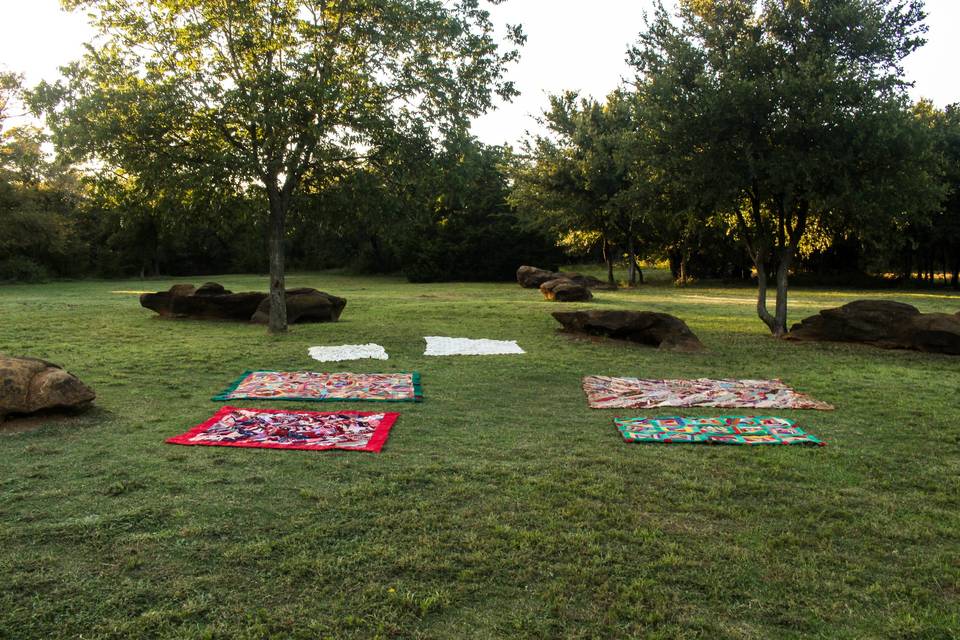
x: 312, y: 386
x: 275, y: 429
x: 737, y: 430
x: 605, y: 392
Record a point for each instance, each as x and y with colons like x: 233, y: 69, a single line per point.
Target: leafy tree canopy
x: 783, y: 111
x: 269, y: 89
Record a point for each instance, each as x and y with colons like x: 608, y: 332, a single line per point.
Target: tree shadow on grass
x: 19, y: 424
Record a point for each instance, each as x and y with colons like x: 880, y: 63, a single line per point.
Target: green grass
x: 501, y: 507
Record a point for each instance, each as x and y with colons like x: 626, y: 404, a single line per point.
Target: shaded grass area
x: 500, y: 507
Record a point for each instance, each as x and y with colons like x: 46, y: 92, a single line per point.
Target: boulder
x: 935, y: 333
x: 29, y: 385
x: 212, y: 301
x: 212, y: 289
x: 532, y: 277
x: 230, y: 306
x: 883, y: 323
x: 565, y: 290
x: 661, y: 330
x: 182, y: 290
x: 584, y: 281
x: 304, y: 305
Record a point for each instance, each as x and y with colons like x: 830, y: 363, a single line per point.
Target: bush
x: 22, y: 269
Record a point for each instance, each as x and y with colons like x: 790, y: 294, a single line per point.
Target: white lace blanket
x: 349, y: 352
x: 440, y: 346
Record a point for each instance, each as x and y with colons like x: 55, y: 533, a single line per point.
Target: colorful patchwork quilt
x: 604, y: 392
x: 744, y: 430
x: 311, y: 386
x: 274, y: 429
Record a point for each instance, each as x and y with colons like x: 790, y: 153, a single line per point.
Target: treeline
x: 764, y: 138
x: 434, y: 209
x: 754, y: 140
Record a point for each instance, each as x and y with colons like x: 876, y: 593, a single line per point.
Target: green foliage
x: 38, y: 236
x: 469, y: 232
x: 588, y: 173
x: 18, y: 268
x: 11, y: 86
x: 436, y: 211
x: 266, y: 91
x: 783, y: 112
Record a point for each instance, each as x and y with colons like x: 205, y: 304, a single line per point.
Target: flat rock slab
x: 883, y: 323
x: 213, y: 302
x: 565, y: 290
x: 533, y: 277
x: 30, y: 385
x: 661, y: 330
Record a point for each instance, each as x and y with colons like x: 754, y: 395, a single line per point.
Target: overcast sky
x: 572, y: 45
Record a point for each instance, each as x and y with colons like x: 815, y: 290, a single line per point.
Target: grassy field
x: 501, y: 507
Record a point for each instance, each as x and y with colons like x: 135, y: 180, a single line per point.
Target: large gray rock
x: 213, y: 302
x: 532, y: 278
x: 304, y: 305
x: 882, y: 323
x: 29, y: 385
x: 661, y: 330
x: 565, y: 290
x: 212, y: 289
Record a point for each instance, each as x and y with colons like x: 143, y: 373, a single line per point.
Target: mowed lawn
x: 501, y: 507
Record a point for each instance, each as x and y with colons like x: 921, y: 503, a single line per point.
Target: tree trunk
x: 762, y: 295
x: 632, y: 267
x: 779, y: 327
x: 673, y: 256
x: 278, y: 296
x: 608, y: 258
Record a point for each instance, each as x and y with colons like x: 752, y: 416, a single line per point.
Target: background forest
x: 725, y: 129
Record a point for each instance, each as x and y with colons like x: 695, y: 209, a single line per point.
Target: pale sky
x: 571, y: 45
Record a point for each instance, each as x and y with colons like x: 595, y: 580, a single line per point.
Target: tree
x: 949, y: 219
x: 787, y: 113
x: 270, y: 89
x: 11, y: 85
x: 589, y: 174
x: 932, y: 237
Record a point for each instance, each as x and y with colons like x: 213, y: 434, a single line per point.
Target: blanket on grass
x: 441, y: 346
x: 604, y: 392
x: 312, y: 386
x: 309, y: 430
x: 349, y: 352
x: 743, y: 430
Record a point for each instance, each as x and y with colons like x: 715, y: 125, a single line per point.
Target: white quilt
x: 349, y: 352
x: 440, y: 346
